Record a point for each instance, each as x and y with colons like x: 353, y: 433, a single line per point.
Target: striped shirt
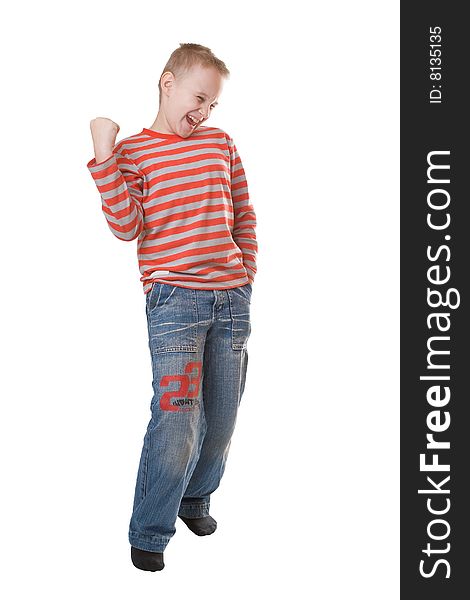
x: 186, y: 201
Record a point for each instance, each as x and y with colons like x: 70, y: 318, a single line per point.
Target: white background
x: 309, y: 503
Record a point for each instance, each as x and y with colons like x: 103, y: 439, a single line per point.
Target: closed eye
x: 202, y: 100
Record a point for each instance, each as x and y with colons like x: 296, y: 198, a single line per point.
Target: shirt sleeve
x: 244, y: 233
x: 120, y: 184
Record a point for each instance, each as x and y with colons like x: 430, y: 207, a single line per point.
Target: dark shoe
x: 147, y: 561
x: 200, y: 525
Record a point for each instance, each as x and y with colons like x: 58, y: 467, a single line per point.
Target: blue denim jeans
x: 198, y: 345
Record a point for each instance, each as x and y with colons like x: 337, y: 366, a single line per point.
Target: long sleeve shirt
x: 186, y: 201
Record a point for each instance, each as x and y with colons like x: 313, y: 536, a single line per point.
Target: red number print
x: 182, y: 398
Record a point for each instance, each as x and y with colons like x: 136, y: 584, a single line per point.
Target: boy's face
x: 194, y: 94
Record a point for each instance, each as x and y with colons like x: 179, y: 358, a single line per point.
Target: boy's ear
x: 167, y: 80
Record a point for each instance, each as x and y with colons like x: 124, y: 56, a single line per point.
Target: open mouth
x: 193, y: 122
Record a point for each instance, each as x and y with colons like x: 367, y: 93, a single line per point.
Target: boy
x: 179, y: 187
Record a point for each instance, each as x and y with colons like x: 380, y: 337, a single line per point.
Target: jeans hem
x: 151, y: 543
x: 194, y: 511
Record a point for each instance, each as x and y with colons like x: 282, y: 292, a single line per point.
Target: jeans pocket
x: 240, y: 299
x: 151, y: 300
x: 172, y: 319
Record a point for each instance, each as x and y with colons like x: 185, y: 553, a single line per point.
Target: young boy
x: 179, y: 187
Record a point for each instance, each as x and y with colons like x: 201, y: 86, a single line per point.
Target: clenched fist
x: 104, y: 132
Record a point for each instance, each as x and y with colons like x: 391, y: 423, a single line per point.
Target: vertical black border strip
x: 437, y: 250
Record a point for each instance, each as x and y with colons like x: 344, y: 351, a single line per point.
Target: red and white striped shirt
x: 187, y: 202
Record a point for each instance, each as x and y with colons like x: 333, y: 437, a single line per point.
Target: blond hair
x: 186, y: 56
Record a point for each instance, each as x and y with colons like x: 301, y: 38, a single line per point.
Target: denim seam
x: 175, y: 349
x: 145, y: 471
x: 201, y: 505
x: 147, y: 537
x: 196, y: 314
